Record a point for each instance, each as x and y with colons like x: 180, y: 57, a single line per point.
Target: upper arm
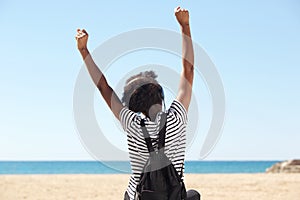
x: 178, y: 113
x: 185, y: 85
x: 110, y: 97
x: 127, y: 117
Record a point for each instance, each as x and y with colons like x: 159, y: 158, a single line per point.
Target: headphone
x: 161, y: 93
x: 162, y: 96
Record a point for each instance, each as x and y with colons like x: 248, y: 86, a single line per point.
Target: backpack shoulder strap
x: 162, y: 131
x: 147, y: 136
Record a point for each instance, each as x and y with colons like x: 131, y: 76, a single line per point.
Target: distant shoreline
x: 123, y: 167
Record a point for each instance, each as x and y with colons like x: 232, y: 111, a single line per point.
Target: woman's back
x: 175, y: 140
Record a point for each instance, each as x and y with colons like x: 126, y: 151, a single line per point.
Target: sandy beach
x: 92, y: 187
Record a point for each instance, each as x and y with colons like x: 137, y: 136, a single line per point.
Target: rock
x: 290, y: 166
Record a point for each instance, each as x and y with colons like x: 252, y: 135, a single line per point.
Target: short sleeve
x: 179, y: 111
x: 126, y: 117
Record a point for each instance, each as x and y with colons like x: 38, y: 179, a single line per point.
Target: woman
x: 143, y: 99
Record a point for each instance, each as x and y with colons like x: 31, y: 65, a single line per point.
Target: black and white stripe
x: 175, y: 140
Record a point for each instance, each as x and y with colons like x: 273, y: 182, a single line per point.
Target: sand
x: 91, y: 187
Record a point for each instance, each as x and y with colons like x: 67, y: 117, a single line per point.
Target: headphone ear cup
x: 162, y: 93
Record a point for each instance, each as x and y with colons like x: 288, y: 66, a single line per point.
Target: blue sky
x: 255, y: 46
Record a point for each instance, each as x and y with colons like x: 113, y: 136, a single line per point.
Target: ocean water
x: 117, y: 167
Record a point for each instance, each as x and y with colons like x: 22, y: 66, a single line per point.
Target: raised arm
x: 98, y: 78
x: 187, y: 74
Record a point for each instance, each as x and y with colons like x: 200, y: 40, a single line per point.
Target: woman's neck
x: 156, y: 108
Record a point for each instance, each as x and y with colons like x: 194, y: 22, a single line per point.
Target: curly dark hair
x: 142, y: 91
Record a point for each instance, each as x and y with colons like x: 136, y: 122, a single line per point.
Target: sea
x: 121, y: 167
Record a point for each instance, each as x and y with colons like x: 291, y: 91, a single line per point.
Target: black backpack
x: 159, y: 179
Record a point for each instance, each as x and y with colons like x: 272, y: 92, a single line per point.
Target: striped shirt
x: 175, y: 140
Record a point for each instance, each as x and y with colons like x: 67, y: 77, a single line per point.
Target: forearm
x: 93, y: 69
x: 187, y: 48
x: 98, y: 78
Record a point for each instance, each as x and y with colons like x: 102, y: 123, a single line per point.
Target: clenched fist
x: 182, y: 16
x: 81, y: 38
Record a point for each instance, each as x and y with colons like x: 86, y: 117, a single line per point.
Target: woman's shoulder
x: 178, y: 111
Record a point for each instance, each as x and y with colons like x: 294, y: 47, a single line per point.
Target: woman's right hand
x: 182, y: 16
x: 81, y: 38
